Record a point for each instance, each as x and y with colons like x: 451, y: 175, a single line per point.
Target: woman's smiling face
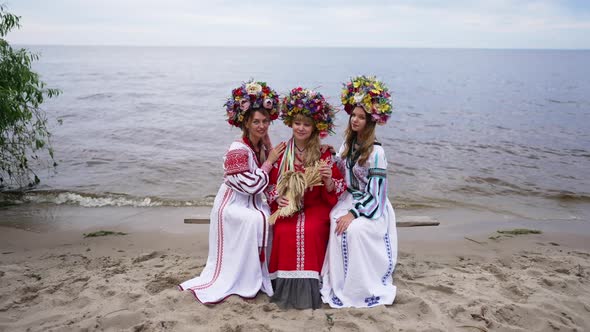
x: 258, y: 125
x: 358, y: 119
x: 302, y: 128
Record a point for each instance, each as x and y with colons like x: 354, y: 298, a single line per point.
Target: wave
x: 567, y: 196
x: 555, y: 101
x: 466, y: 192
x: 62, y: 197
x: 59, y: 197
x: 490, y: 186
x: 96, y: 96
x: 96, y: 200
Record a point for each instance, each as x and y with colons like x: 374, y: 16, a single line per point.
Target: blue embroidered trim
x: 372, y: 300
x: 345, y: 253
x: 336, y: 300
x: 389, y: 258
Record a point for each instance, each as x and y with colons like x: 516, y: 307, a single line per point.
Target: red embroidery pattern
x: 263, y: 247
x: 236, y: 161
x: 226, y: 198
x: 271, y: 193
x: 300, y: 240
x: 340, y: 186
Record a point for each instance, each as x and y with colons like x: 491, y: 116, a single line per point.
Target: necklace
x: 298, y: 158
x: 298, y: 149
x: 353, y: 155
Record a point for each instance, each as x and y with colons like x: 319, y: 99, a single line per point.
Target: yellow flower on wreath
x: 322, y: 126
x: 371, y: 94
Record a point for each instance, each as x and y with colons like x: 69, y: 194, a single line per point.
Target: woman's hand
x: 326, y: 173
x: 343, y: 222
x: 275, y: 153
x: 325, y: 147
x: 266, y: 142
x: 282, y: 202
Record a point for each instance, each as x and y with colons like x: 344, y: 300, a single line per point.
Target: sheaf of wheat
x: 292, y: 185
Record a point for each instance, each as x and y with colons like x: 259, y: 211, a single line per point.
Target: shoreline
x: 454, y: 222
x: 451, y: 277
x: 565, y: 206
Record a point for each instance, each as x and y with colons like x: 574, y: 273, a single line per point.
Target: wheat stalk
x: 292, y: 185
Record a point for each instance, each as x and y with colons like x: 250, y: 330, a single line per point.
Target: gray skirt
x: 298, y: 293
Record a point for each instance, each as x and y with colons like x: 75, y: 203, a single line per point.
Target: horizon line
x: 310, y: 46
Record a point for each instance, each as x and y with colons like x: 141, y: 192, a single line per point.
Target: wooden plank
x: 205, y: 221
x: 416, y: 223
x: 196, y: 221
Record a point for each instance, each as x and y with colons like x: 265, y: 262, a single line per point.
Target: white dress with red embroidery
x: 238, y: 233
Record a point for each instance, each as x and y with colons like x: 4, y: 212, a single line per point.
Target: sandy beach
x: 454, y: 277
x: 120, y: 120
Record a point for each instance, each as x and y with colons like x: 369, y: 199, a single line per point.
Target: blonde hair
x: 312, y: 145
x: 367, y: 138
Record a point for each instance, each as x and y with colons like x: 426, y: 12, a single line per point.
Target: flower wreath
x: 251, y: 95
x: 312, y: 104
x: 369, y: 93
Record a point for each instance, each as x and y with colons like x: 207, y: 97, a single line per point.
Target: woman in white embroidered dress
x: 362, y: 249
x: 238, y: 233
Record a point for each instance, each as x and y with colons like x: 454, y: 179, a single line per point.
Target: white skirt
x: 237, y: 231
x: 358, y: 268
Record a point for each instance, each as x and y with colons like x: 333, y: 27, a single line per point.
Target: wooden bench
x: 407, y: 221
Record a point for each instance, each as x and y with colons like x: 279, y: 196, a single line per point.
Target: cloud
x: 373, y: 23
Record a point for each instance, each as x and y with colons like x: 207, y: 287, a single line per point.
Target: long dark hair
x: 249, y: 115
x: 245, y: 133
x: 367, y: 138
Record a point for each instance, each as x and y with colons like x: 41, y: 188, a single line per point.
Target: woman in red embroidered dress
x: 299, y: 241
x: 238, y: 231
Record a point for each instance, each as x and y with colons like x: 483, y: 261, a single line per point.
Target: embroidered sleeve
x: 240, y: 177
x: 236, y: 161
x: 271, y: 190
x: 339, y: 185
x: 271, y: 194
x: 266, y: 166
x: 373, y: 200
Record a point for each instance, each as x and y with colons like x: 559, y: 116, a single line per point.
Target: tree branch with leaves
x: 25, y: 142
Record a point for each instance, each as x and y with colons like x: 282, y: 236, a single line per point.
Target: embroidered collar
x: 247, y: 141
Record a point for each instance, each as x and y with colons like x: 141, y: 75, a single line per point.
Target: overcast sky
x: 562, y: 24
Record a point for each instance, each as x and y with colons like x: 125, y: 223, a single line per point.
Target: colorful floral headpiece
x: 312, y: 104
x: 369, y: 93
x: 251, y: 95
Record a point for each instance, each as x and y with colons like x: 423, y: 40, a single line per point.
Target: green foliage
x: 23, y: 125
x: 519, y: 231
x: 513, y: 232
x: 103, y: 233
x: 330, y: 321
